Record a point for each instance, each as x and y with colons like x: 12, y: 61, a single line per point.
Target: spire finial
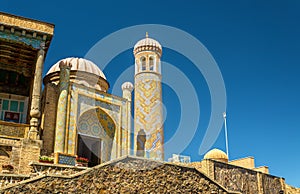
x: 147, y: 35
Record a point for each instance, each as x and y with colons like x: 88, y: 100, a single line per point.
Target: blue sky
x: 255, y: 43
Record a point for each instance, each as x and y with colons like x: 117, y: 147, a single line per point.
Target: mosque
x: 93, y: 124
x: 74, y: 115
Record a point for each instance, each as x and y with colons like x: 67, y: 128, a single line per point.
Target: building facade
x: 89, y: 122
x: 23, y: 46
x: 74, y: 115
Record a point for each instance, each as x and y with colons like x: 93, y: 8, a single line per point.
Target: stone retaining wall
x: 292, y: 190
x: 246, y: 180
x: 7, y: 179
x: 127, y: 175
x: 54, y: 169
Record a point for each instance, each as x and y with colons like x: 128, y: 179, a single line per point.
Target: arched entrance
x: 140, y: 141
x: 96, y: 131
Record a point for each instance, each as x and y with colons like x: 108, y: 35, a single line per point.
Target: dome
x: 83, y: 72
x: 147, y: 44
x: 127, y: 86
x: 216, y: 154
x: 78, y: 64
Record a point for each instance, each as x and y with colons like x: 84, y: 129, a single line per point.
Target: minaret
x: 127, y: 88
x: 148, y: 113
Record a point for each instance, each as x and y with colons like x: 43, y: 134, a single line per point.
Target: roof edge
x: 26, y: 23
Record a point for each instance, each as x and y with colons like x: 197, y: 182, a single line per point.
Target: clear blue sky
x: 255, y: 43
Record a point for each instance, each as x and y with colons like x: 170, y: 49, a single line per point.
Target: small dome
x: 216, y: 154
x: 127, y: 86
x: 147, y: 44
x: 78, y: 64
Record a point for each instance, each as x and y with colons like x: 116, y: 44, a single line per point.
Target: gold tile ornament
x: 25, y: 23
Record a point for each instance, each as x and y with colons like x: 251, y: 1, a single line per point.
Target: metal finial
x: 147, y: 35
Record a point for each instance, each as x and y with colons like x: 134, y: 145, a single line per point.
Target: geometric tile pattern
x: 148, y: 113
x: 29, y: 41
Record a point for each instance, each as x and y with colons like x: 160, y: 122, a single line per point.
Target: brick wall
x: 244, y: 162
x: 29, y: 152
x: 49, y: 106
x: 15, y: 157
x: 5, y: 154
x: 13, y: 129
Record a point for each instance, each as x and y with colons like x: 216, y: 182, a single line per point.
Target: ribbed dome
x: 216, y: 154
x: 79, y: 64
x: 147, y: 44
x: 127, y: 86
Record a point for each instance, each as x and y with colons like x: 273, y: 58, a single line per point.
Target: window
x: 12, y: 110
x: 143, y: 63
x: 151, y: 63
x: 141, y: 140
x: 5, y: 105
x: 14, y: 105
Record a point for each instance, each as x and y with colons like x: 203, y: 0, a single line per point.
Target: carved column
x: 35, y: 110
x: 61, y: 115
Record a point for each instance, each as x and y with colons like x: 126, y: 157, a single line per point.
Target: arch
x: 94, y: 108
x: 143, y: 63
x: 96, y: 131
x: 3, y: 153
x: 151, y: 63
x: 140, y: 141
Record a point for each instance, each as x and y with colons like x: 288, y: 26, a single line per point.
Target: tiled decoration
x: 88, y: 110
x: 148, y: 111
